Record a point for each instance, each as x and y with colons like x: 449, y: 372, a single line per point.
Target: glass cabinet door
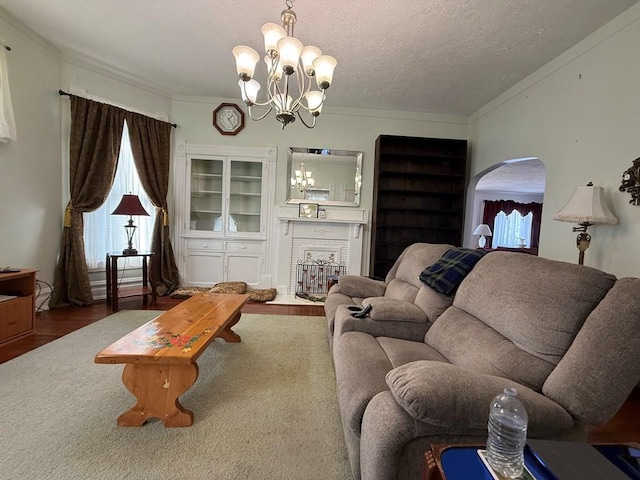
x: 245, y: 193
x: 206, y: 195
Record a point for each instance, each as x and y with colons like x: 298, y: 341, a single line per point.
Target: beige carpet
x: 264, y: 408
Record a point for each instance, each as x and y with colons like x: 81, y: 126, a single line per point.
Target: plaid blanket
x: 447, y: 273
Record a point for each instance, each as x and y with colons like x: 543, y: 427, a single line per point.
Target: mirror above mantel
x: 324, y: 176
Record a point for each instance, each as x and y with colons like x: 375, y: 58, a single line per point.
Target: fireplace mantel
x: 355, y: 217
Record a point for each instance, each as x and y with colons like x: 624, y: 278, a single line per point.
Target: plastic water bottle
x: 507, y: 434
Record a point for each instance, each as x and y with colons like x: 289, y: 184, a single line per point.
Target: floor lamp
x: 586, y: 207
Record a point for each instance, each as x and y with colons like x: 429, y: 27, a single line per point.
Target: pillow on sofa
x: 446, y: 274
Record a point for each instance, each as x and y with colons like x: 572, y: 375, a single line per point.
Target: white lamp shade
x: 482, y: 229
x: 308, y: 55
x: 324, y: 66
x: 272, y: 32
x: 289, y: 49
x: 246, y: 59
x: 587, y: 205
x: 249, y: 90
x: 314, y: 100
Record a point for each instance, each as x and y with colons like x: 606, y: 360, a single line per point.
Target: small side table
x: 114, y: 292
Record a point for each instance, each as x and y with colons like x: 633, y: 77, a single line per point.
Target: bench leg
x: 157, y: 389
x: 229, y: 335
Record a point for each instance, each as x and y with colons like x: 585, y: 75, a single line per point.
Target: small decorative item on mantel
x: 308, y: 210
x: 322, y: 213
x: 631, y: 182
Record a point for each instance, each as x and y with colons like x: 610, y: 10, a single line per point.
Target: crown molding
x: 102, y: 68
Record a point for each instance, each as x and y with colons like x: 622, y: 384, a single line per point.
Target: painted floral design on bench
x: 153, y: 339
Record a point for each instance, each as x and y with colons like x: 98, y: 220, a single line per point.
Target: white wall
x: 337, y: 128
x: 30, y: 169
x: 578, y: 114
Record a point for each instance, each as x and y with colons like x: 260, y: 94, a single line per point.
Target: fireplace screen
x: 314, y: 277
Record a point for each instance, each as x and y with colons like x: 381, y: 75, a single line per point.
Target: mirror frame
x: 331, y: 153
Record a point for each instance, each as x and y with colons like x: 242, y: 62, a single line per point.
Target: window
x: 512, y: 230
x: 104, y: 232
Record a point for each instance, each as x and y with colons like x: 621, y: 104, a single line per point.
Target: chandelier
x: 291, y: 68
x: 303, y: 180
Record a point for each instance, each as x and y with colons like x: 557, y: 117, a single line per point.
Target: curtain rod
x: 66, y: 94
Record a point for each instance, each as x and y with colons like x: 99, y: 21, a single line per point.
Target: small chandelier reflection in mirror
x: 303, y: 180
x: 291, y: 68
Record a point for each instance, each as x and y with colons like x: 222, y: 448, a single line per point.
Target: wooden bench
x: 160, y: 356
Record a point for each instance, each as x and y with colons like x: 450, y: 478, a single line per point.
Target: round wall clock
x: 228, y: 119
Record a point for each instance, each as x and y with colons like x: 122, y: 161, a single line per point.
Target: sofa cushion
x: 401, y: 351
x: 469, y: 343
x: 537, y: 303
x: 414, y: 259
x: 445, y: 275
x: 431, y: 302
x: 444, y: 395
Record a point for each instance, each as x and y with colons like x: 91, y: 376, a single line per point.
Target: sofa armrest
x: 357, y: 286
x: 390, y: 309
x: 444, y: 395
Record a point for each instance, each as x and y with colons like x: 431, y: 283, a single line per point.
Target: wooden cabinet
x: 223, y: 213
x: 419, y: 192
x: 17, y: 315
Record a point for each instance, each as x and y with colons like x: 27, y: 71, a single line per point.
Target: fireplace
x: 335, y: 241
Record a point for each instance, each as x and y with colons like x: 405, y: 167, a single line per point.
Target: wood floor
x: 53, y: 324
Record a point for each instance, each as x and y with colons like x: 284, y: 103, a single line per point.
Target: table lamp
x: 586, y: 207
x: 484, y: 231
x: 130, y: 205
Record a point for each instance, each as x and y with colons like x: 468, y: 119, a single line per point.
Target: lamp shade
x: 482, y: 229
x: 130, y: 205
x: 587, y: 205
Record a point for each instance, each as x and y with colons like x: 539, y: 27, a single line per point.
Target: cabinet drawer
x: 197, y: 244
x: 245, y: 247
x: 16, y: 317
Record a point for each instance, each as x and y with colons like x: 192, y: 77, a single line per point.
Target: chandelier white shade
x: 303, y: 179
x: 291, y: 69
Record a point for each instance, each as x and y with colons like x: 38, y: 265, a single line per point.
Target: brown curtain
x: 151, y: 147
x: 94, y: 145
x: 494, y: 207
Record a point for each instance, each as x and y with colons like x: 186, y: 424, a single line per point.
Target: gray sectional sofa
x: 422, y: 367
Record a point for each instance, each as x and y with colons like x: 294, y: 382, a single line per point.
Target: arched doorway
x: 519, y: 179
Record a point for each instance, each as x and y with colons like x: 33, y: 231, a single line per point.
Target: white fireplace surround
x: 340, y: 233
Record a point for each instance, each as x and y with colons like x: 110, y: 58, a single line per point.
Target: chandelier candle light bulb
x: 291, y: 67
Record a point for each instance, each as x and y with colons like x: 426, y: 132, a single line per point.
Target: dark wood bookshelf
x: 419, y: 189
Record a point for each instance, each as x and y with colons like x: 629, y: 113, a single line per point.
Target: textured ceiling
x: 437, y: 56
x: 526, y: 176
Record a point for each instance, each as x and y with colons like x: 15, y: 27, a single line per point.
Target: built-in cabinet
x: 419, y: 187
x: 223, y: 210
